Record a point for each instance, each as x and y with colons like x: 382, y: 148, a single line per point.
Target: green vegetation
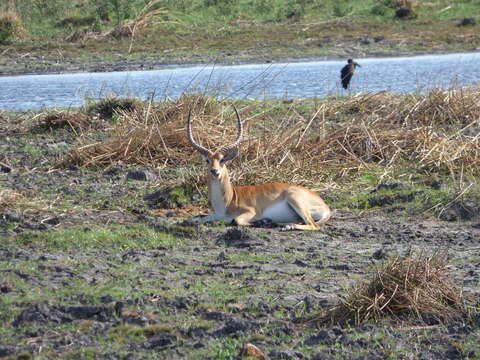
x: 10, y: 27
x: 51, y: 17
x: 100, y: 34
x: 122, y: 238
x: 164, y: 289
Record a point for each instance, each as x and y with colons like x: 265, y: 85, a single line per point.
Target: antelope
x: 283, y: 204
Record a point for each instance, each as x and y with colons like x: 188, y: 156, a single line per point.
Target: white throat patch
x: 217, y: 199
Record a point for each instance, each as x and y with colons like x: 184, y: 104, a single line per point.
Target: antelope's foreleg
x: 244, y: 219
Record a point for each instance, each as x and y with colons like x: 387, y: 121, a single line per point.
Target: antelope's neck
x: 220, y: 193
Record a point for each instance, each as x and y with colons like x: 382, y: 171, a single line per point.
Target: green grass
x: 237, y: 30
x: 43, y: 16
x: 416, y: 193
x: 122, y: 279
x: 120, y: 238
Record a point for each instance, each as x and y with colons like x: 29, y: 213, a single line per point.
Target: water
x: 254, y: 81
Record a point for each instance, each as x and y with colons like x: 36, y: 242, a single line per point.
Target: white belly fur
x: 281, y: 213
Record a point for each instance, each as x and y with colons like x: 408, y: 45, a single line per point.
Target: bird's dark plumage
x: 347, y: 71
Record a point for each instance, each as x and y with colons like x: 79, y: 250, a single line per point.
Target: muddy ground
x: 91, y: 268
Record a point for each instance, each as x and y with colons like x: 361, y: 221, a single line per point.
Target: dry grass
x: 151, y: 15
x: 416, y: 287
x: 56, y: 119
x: 434, y: 133
x: 146, y: 135
x: 110, y: 106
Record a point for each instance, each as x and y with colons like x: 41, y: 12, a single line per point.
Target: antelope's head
x: 216, y: 161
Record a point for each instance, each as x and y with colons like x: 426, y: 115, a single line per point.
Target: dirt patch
x: 301, y: 272
x: 239, y: 237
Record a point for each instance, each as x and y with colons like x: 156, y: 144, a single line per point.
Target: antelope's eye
x: 222, y: 161
x: 207, y: 160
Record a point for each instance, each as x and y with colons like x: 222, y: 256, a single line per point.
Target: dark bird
x: 347, y: 72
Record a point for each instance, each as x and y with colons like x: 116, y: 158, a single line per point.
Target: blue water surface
x: 252, y: 81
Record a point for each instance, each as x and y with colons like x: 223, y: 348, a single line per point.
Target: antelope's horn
x: 233, y: 145
x: 199, y: 148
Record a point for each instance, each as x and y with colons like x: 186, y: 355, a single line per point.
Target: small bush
x: 415, y: 287
x: 290, y: 11
x: 10, y: 27
x: 342, y: 9
x: 405, y: 13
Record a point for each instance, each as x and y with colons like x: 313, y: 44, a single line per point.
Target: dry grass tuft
x: 416, y: 287
x: 434, y: 133
x: 146, y: 135
x: 61, y: 119
x: 457, y: 107
x: 361, y: 145
x: 150, y: 16
x: 106, y: 108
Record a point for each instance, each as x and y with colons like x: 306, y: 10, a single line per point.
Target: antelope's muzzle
x: 215, y: 172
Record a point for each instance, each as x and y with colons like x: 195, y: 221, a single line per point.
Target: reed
x: 434, y: 133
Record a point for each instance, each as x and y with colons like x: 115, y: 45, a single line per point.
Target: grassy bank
x: 418, y: 154
x: 63, y: 35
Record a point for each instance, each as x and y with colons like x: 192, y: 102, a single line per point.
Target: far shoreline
x: 159, y: 63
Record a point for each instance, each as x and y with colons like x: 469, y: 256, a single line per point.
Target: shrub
x: 416, y: 287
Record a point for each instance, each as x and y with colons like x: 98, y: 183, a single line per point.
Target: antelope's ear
x: 230, y: 155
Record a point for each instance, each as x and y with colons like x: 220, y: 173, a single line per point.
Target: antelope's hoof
x: 288, y: 228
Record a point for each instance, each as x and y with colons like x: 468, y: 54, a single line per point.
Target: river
x: 251, y: 81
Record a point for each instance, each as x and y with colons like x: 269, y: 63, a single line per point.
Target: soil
x: 270, y: 277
